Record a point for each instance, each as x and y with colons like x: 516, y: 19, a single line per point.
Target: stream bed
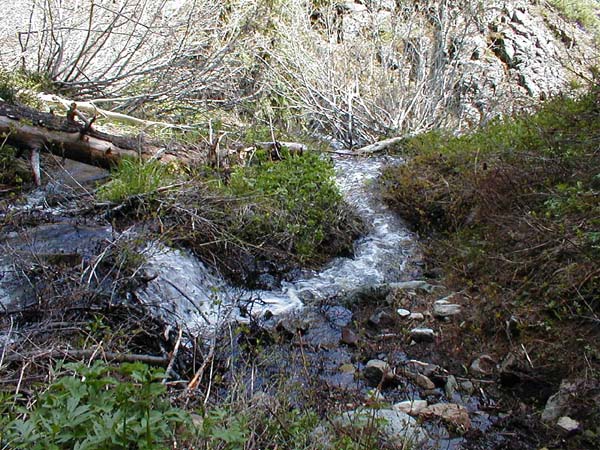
x: 182, y: 286
x: 316, y: 336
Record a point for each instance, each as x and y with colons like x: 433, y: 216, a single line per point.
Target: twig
x: 7, y: 340
x: 173, y: 356
x: 89, y: 353
x: 527, y: 355
x: 193, y: 384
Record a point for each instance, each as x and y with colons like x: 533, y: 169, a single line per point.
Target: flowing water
x: 182, y: 287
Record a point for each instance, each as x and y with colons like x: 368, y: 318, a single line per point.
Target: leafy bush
x: 135, y: 177
x: 20, y: 87
x: 300, y: 196
x: 98, y: 407
x: 12, y: 170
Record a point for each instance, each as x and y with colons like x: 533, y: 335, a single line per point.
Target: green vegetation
x: 513, y: 212
x: 104, y: 407
x: 300, y: 198
x: 13, y: 172
x: 276, y: 214
x: 97, y: 407
x: 21, y: 87
x: 583, y: 11
x: 135, y: 177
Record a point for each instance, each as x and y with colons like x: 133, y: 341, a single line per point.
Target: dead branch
x: 90, y: 107
x: 88, y: 353
x: 32, y: 130
x: 381, y: 145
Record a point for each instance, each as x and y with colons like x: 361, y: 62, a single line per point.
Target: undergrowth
x: 301, y: 200
x: 13, y: 172
x: 512, y: 212
x: 102, y: 406
x: 584, y: 12
x: 135, y: 177
x: 97, y: 407
x: 266, y: 218
x: 21, y: 87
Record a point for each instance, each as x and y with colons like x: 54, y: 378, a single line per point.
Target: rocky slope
x: 354, y: 70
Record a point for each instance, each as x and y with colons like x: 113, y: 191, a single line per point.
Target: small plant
x: 13, y: 171
x: 21, y: 87
x: 135, y: 177
x: 98, y: 407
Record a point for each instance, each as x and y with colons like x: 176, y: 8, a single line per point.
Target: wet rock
x: 293, y: 325
x: 147, y: 274
x: 443, y: 308
x: 450, y: 413
x: 423, y: 381
x: 403, y: 313
x: 484, y: 365
x: 467, y: 386
x: 558, y: 403
x: 412, y: 407
x: 433, y: 393
x: 349, y: 337
x: 338, y: 315
x: 426, y: 369
x: 378, y: 371
x: 422, y: 334
x: 414, y: 285
x: 565, y: 423
x: 381, y: 319
x: 416, y: 316
x: 512, y: 369
x: 451, y: 387
x: 398, y: 429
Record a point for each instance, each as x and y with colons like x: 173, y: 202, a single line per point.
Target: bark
x: 35, y: 131
x: 74, y: 354
x: 381, y: 145
x: 32, y: 130
x: 91, y: 108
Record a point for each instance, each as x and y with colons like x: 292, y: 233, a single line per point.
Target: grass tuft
x: 135, y: 177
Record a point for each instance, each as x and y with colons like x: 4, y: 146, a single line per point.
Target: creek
x: 185, y: 289
x: 180, y: 289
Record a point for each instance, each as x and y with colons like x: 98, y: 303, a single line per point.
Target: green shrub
x: 21, y: 87
x: 135, y: 177
x: 13, y: 171
x: 98, y: 407
x: 583, y: 11
x: 300, y: 197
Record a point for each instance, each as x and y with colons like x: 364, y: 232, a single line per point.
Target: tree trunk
x: 28, y: 129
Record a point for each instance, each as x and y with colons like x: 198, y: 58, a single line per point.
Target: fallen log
x: 34, y: 131
x: 275, y: 147
x: 381, y: 145
x: 28, y: 129
x: 90, y: 107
